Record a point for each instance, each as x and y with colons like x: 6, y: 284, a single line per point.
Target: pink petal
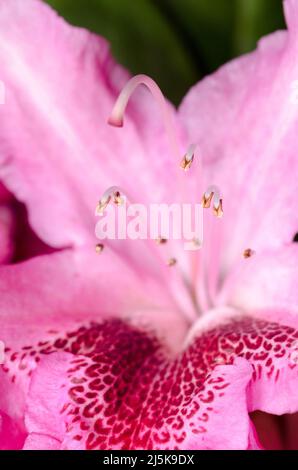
x: 244, y: 119
x: 264, y: 281
x: 291, y: 13
x: 41, y: 442
x: 129, y: 393
x: 46, y: 297
x: 66, y: 287
x: 101, y: 415
x: 56, y: 396
x: 65, y: 155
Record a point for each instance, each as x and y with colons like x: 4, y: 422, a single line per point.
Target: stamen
x: 99, y: 248
x: 102, y: 204
x: 188, y: 158
x: 248, y: 253
x: 213, y: 193
x: 113, y: 192
x: 171, y: 262
x: 206, y: 200
x: 218, y: 210
x: 197, y: 243
x: 118, y: 200
x: 116, y: 117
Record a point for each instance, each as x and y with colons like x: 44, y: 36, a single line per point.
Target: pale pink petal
x: 17, y: 239
x: 244, y: 119
x: 55, y: 396
x: 128, y: 393
x: 64, y: 288
x: 41, y: 442
x: 264, y: 281
x: 58, y: 155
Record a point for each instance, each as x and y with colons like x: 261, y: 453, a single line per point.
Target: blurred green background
x: 175, y: 41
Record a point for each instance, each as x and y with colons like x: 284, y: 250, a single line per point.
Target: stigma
x: 117, y: 114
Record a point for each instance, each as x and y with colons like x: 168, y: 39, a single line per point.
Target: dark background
x: 175, y: 41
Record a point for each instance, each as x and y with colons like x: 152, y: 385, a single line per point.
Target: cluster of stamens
x: 211, y: 196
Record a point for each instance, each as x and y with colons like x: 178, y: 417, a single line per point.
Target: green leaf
x: 205, y: 27
x: 254, y: 19
x: 141, y: 38
x: 175, y: 41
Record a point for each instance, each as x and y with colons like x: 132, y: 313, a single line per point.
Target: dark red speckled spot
x: 124, y: 392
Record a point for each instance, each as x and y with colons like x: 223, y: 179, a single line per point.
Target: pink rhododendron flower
x: 121, y: 350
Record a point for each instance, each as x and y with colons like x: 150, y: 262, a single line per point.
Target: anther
x: 118, y: 200
x: 213, y: 193
x: 188, y: 158
x: 196, y: 243
x: 171, y: 262
x: 99, y: 248
x: 206, y: 200
x: 248, y: 253
x: 217, y: 209
x: 185, y: 163
x: 161, y: 241
x: 113, y: 192
x: 101, y: 206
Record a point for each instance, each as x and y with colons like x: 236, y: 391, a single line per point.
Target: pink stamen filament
x: 190, y: 152
x: 116, y: 117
